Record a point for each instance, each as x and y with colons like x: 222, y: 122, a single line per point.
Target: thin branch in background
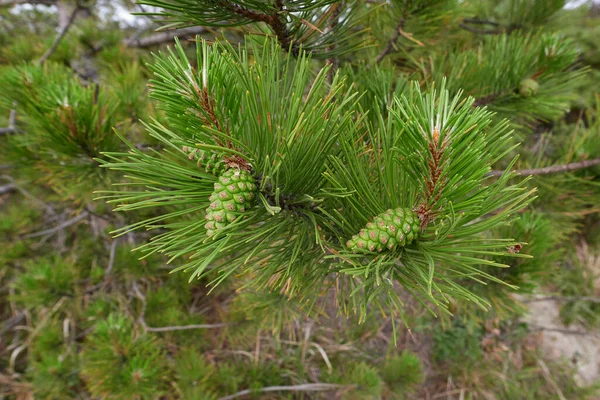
x: 551, y: 380
x: 57, y: 228
x: 562, y: 330
x: 333, y: 21
x: 185, y: 327
x: 482, y: 101
x: 109, y: 268
x: 12, y: 122
x: 162, y: 37
x: 481, y: 31
x: 142, y: 321
x: 590, y: 299
x: 465, y: 24
x: 306, y: 387
x: 392, y: 42
x: 555, y: 169
x: 477, y: 21
x: 11, y: 187
x: 31, y: 197
x: 10, y: 3
x: 61, y: 34
x: 111, y: 257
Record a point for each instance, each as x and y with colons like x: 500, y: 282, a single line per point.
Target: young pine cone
x: 234, y: 193
x: 389, y: 230
x: 212, y: 163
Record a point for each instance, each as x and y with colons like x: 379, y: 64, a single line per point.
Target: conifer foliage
x: 247, y: 198
x: 300, y: 147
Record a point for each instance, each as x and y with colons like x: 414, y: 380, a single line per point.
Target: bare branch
x: 185, y: 327
x: 63, y: 31
x: 306, y: 387
x: 555, y: 169
x: 8, y: 188
x: 391, y: 43
x: 490, y: 98
x: 31, y: 197
x: 10, y: 3
x: 12, y: 121
x: 111, y: 257
x: 163, y: 37
x: 142, y: 321
x: 477, y: 21
x: 481, y: 31
x: 57, y: 228
x: 591, y: 299
x: 561, y: 330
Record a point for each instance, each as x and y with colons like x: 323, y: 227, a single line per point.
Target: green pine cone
x: 234, y: 193
x: 528, y: 87
x: 212, y: 163
x: 388, y: 230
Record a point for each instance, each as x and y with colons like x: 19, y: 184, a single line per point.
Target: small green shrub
x: 119, y: 363
x: 402, y: 373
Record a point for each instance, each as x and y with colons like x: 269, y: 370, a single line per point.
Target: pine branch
x: 306, y: 387
x: 163, y: 37
x: 555, y: 169
x: 273, y: 20
x: 61, y: 34
x: 392, y: 41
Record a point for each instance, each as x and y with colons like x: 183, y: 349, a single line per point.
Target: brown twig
x: 61, y: 34
x: 306, y: 387
x: 482, y: 101
x: 390, y: 46
x: 434, y: 183
x: 555, y: 169
x: 274, y: 20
